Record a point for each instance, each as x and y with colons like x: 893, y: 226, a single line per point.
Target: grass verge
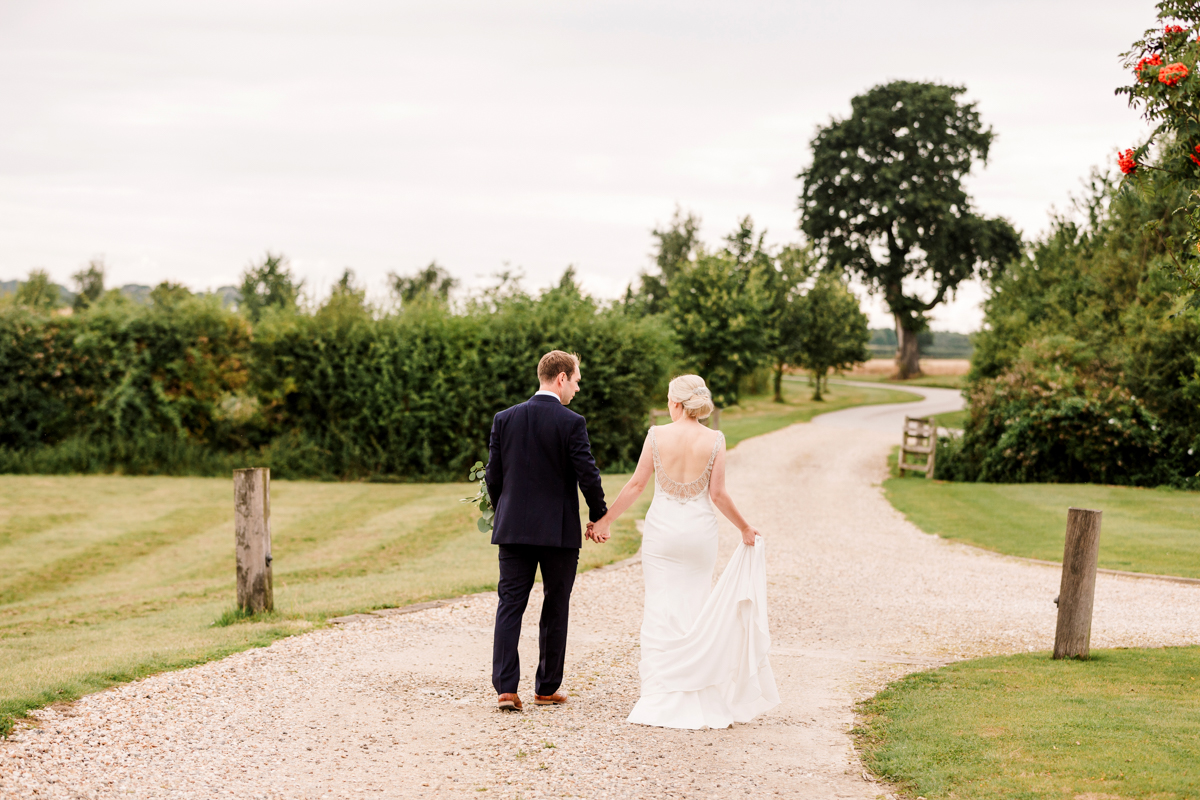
x: 108, y: 579
x: 1143, y: 530
x: 758, y: 414
x: 1124, y: 724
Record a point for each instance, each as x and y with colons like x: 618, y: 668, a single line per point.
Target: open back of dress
x: 704, y: 648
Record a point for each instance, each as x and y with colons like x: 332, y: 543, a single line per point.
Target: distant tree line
x: 931, y: 344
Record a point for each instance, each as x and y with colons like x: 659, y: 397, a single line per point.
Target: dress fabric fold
x: 704, y: 660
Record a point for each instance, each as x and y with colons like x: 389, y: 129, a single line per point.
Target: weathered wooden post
x: 252, y: 524
x: 1081, y: 553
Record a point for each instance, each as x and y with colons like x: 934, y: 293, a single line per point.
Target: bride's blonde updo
x: 693, y: 394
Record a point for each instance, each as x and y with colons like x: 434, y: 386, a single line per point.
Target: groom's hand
x: 591, y: 527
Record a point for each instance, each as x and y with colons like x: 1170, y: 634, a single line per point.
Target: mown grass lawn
x: 1143, y: 530
x: 109, y: 578
x: 1124, y: 724
x: 759, y: 414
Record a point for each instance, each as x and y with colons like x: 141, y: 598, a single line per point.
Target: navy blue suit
x: 540, y: 459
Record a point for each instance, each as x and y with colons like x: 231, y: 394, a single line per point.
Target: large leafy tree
x: 883, y: 200
x: 716, y: 307
x: 784, y: 279
x: 831, y: 330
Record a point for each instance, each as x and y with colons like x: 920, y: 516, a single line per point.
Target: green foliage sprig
x: 482, y: 498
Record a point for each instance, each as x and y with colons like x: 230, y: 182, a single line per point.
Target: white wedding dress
x: 704, y: 649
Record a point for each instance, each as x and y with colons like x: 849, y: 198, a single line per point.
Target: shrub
x: 1056, y: 417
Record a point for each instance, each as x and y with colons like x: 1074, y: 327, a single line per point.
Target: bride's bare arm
x: 632, y: 491
x: 721, y: 499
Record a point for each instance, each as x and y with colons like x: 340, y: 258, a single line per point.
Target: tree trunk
x: 908, y: 351
x: 779, y: 382
x: 817, y: 384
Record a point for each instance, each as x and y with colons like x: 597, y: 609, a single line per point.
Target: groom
x: 539, y: 454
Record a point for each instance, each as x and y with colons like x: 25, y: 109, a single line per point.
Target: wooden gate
x: 920, y: 439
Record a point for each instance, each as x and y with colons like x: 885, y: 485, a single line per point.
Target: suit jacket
x: 539, y: 458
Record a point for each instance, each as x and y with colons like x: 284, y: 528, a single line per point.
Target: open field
x: 938, y: 381
x: 759, y: 414
x: 1124, y: 724
x: 1143, y: 530
x: 111, y: 578
x: 945, y: 373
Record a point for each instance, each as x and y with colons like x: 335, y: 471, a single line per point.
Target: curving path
x: 401, y: 706
x: 889, y: 418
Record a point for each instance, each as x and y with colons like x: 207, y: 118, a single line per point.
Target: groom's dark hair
x: 554, y: 362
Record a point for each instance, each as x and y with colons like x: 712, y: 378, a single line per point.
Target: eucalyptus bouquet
x: 481, y: 498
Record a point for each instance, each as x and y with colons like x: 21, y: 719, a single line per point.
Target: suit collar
x: 544, y: 398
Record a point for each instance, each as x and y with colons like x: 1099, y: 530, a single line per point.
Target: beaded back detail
x: 683, y: 491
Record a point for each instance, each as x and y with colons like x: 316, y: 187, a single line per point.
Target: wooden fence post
x: 1081, y: 552
x: 252, y: 525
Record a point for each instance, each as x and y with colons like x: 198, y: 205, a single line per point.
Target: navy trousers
x: 518, y: 566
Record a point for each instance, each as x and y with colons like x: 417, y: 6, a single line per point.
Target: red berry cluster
x: 1149, y: 61
x: 1172, y: 74
x: 1173, y: 29
x: 1126, y: 161
x: 1192, y: 156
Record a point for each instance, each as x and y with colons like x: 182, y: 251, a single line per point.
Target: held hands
x: 748, y: 534
x: 598, y: 532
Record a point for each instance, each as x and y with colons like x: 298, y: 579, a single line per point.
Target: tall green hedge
x: 190, y: 388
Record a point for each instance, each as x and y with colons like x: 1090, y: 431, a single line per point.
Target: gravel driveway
x: 401, y: 706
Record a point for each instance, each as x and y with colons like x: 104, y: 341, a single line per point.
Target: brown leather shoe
x: 556, y: 699
x: 510, y: 702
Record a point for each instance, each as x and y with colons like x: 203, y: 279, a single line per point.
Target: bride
x: 704, y: 648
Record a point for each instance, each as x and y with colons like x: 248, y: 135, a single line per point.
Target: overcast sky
x: 182, y: 141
